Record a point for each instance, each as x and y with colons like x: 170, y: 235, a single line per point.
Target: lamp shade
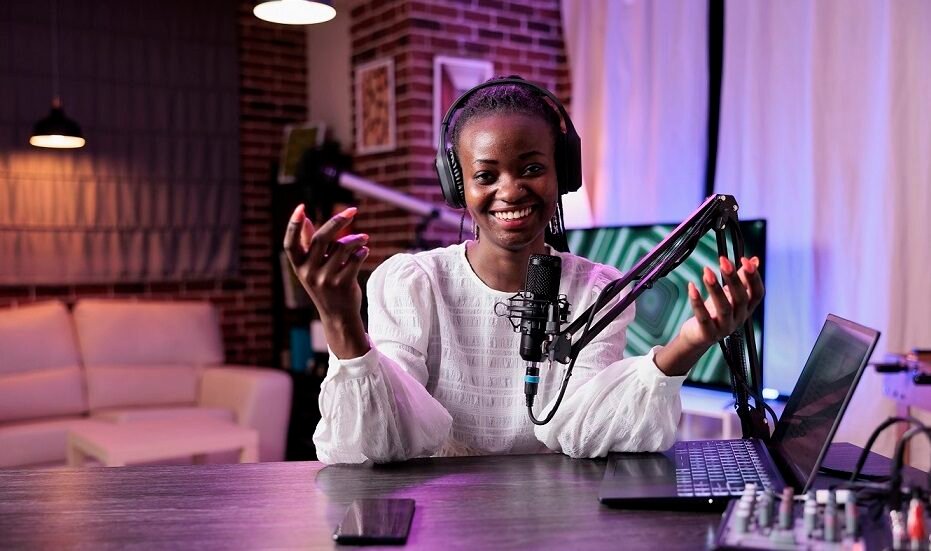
x: 57, y: 130
x: 295, y: 12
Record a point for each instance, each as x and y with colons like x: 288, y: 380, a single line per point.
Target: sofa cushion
x: 130, y: 332
x: 145, y: 353
x: 40, y: 373
x: 112, y: 386
x: 30, y: 443
x: 42, y: 393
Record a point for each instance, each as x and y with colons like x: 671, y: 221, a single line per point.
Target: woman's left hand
x: 726, y: 307
x: 721, y: 314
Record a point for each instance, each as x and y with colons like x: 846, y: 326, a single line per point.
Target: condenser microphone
x: 539, y: 313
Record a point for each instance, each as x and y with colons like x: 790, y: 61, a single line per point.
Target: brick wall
x: 521, y: 37
x: 273, y: 78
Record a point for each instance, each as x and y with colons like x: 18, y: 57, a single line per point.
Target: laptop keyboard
x: 718, y: 468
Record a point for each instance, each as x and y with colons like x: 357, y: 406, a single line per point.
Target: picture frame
x: 452, y: 77
x: 298, y: 138
x: 375, y: 107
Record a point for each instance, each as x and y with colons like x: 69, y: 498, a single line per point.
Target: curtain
x: 826, y: 132
x: 639, y: 75
x: 154, y: 195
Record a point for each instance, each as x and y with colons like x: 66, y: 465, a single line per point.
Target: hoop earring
x: 461, y: 224
x: 554, y: 225
x: 556, y: 230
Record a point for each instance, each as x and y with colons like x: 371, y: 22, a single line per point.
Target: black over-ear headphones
x: 568, y: 147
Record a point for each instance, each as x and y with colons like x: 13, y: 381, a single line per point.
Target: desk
x: 498, y: 502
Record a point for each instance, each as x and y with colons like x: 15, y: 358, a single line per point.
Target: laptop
x: 706, y: 474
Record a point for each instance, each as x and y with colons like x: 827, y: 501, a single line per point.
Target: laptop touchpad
x: 640, y: 474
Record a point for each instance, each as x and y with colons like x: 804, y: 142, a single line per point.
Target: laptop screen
x: 814, y: 409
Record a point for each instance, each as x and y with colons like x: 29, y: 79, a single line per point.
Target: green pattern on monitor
x: 662, y: 310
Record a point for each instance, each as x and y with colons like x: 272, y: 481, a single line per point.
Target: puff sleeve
x: 376, y: 406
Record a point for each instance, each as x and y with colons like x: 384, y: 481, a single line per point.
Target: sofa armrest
x: 259, y: 397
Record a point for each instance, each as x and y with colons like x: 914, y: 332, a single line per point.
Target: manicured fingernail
x: 298, y: 213
x: 745, y: 263
x: 349, y: 213
x: 755, y: 261
x: 726, y: 267
x: 693, y: 291
x: 708, y: 276
x: 364, y: 237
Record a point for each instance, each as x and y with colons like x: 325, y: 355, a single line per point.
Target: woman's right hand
x: 328, y: 268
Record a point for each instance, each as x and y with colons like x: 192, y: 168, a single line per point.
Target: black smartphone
x: 376, y: 521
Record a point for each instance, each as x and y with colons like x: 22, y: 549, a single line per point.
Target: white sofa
x: 119, y: 361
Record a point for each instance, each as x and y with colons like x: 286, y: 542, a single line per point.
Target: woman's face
x: 509, y: 172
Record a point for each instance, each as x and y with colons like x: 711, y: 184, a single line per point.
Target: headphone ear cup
x: 458, y: 184
x: 450, y: 175
x: 572, y: 161
x: 562, y: 167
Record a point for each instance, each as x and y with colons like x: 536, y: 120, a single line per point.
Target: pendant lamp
x: 56, y: 130
x: 295, y: 12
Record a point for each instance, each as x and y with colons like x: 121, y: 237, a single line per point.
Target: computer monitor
x: 662, y: 310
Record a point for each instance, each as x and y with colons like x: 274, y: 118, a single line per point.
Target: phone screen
x: 376, y: 521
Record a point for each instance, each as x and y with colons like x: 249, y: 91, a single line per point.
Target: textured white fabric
x: 444, y: 376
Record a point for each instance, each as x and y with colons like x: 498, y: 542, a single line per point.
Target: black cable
x: 565, y: 383
x: 895, y: 490
x: 861, y: 461
x: 739, y: 376
x: 757, y: 397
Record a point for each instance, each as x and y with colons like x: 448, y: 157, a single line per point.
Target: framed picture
x: 298, y: 138
x: 375, y: 126
x: 453, y: 76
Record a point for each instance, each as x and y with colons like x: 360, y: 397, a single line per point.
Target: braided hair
x: 515, y: 99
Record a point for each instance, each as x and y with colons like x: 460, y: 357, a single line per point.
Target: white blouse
x: 444, y: 376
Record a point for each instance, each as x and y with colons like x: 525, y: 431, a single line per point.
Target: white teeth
x: 513, y: 214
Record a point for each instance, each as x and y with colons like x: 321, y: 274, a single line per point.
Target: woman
x: 438, y: 372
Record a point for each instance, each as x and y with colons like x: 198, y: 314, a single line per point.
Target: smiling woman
x: 437, y: 372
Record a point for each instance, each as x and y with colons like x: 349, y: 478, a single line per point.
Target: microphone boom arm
x: 719, y: 213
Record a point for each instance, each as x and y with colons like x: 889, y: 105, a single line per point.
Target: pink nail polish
x: 726, y: 267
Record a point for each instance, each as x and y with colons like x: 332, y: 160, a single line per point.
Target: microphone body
x: 539, y: 314
x: 540, y: 294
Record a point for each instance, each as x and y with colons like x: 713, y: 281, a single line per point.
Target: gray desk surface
x: 500, y: 502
